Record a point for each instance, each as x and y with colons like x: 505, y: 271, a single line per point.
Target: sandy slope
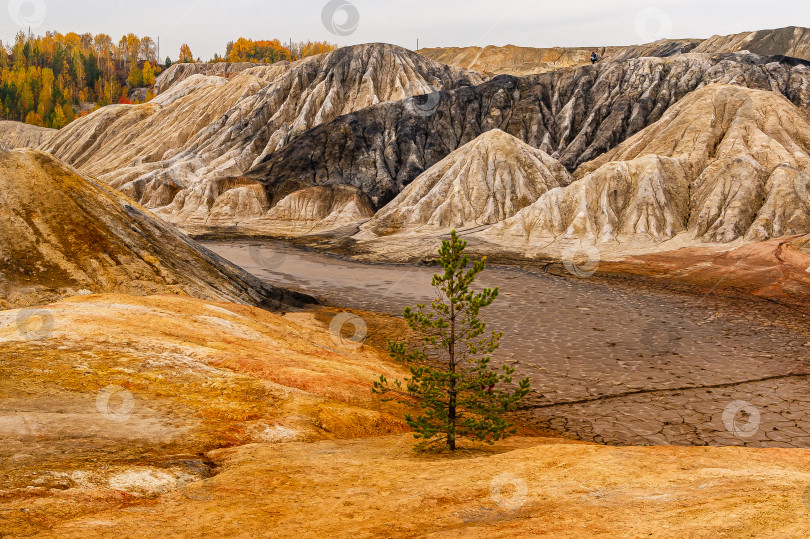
x: 107, y: 397
x: 20, y: 135
x: 63, y: 233
x: 204, y: 379
x: 521, y: 61
x: 777, y: 269
x: 523, y: 488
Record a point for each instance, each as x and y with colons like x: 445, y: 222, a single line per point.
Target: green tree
x: 452, y: 381
x: 168, y: 62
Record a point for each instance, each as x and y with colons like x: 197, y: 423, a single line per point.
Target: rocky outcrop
x: 726, y: 163
x: 481, y: 183
x: 20, y: 135
x: 63, y: 234
x: 574, y: 116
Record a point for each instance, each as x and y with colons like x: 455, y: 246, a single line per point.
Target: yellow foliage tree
x: 34, y: 119
x: 148, y: 74
x: 59, y: 120
x: 134, y: 78
x: 185, y: 54
x: 69, y: 113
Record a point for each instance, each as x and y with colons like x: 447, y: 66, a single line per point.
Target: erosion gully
x: 616, y: 363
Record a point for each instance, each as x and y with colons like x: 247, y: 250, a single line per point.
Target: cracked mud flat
x: 609, y: 362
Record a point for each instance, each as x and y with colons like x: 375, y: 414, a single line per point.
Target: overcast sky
x: 207, y: 25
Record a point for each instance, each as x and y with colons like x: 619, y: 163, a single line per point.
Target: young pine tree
x: 459, y: 393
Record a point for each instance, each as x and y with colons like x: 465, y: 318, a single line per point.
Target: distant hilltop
x: 513, y: 60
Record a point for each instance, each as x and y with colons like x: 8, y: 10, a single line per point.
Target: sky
x: 207, y: 25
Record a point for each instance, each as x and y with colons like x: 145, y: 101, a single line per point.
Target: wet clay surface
x: 611, y: 363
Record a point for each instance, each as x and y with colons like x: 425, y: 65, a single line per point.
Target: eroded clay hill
x: 725, y: 163
x: 62, y: 234
x: 177, y: 73
x: 483, y: 182
x: 122, y: 397
x: 20, y: 135
x: 207, y: 128
x: 574, y: 116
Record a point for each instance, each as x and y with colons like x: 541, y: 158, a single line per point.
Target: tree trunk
x: 451, y: 431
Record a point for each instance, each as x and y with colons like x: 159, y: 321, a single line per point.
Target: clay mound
x: 129, y: 137
x: 317, y: 209
x: 483, y: 182
x: 19, y: 135
x: 726, y: 163
x: 179, y: 72
x: 63, y: 234
x: 288, y: 209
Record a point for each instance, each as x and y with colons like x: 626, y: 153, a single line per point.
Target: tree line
x: 47, y: 80
x: 52, y: 79
x: 260, y: 51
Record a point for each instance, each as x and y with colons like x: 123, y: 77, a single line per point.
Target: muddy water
x: 608, y: 362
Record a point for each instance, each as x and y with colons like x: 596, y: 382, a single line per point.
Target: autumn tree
x: 135, y: 75
x: 304, y: 49
x: 34, y: 119
x: 148, y: 78
x: 59, y: 120
x: 460, y: 394
x: 185, y: 55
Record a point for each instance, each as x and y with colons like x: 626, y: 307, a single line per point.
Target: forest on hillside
x: 52, y: 79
